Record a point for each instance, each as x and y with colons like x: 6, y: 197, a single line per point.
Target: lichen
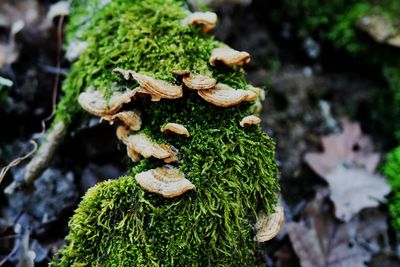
x: 233, y: 168
x: 392, y: 171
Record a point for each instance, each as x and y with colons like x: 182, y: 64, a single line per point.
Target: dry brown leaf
x: 350, y: 147
x: 353, y: 189
x: 348, y: 164
x: 322, y: 241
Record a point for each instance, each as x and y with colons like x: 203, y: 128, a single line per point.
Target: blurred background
x: 331, y: 70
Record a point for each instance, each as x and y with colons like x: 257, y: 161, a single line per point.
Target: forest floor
x: 312, y: 91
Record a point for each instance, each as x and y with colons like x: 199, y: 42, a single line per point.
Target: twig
x: 17, y: 161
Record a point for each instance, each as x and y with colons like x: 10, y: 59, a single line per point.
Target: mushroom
x: 153, y: 86
x: 199, y: 82
x: 129, y: 118
x: 250, y: 120
x: 224, y: 96
x: 166, y: 181
x: 381, y: 28
x: 154, y: 97
x: 179, y: 74
x: 268, y: 226
x: 94, y: 102
x: 144, y: 146
x: 175, y: 128
x: 123, y: 135
x: 206, y: 20
x: 229, y: 56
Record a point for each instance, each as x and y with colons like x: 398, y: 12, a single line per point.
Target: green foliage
x: 233, y: 168
x: 392, y: 172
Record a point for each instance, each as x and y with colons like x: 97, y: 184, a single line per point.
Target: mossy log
x: 233, y: 168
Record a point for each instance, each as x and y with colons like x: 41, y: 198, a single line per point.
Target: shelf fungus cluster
x: 139, y: 144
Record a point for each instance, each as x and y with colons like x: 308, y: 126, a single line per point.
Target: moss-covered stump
x: 392, y: 171
x: 232, y: 167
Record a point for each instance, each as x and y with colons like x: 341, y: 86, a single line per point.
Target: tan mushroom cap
x: 224, y: 96
x: 159, y: 87
x: 123, y: 135
x: 154, y: 87
x: 94, y: 102
x: 250, y: 120
x: 199, y: 82
x: 206, y: 20
x: 229, y: 56
x: 381, y: 28
x: 154, y: 97
x: 166, y: 181
x: 175, y: 128
x: 181, y: 73
x: 130, y: 118
x: 268, y: 226
x: 147, y: 148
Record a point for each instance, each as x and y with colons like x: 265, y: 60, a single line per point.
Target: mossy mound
x: 392, y: 171
x: 233, y: 168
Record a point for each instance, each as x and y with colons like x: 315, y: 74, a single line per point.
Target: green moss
x: 392, y: 171
x: 233, y: 169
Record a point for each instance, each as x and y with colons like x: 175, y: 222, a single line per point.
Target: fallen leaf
x: 348, y: 164
x: 320, y: 240
x: 354, y: 189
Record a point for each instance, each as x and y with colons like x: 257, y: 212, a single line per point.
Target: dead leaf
x: 348, y: 164
x: 321, y: 241
x: 353, y: 189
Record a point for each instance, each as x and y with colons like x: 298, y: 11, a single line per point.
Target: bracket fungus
x: 250, y: 120
x: 162, y: 57
x: 199, y: 82
x: 94, y: 101
x: 229, y: 56
x: 206, y: 20
x: 175, y: 128
x: 225, y: 96
x: 166, y: 181
x: 268, y: 226
x: 130, y: 118
x: 147, y: 148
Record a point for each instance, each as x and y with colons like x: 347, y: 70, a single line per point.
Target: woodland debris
x: 43, y: 157
x: 94, y: 102
x: 199, y: 82
x: 268, y: 226
x: 166, y: 181
x: 206, y: 20
x: 320, y: 240
x: 130, y: 118
x: 348, y: 164
x: 224, y: 96
x: 175, y: 128
x: 229, y: 56
x: 250, y: 120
